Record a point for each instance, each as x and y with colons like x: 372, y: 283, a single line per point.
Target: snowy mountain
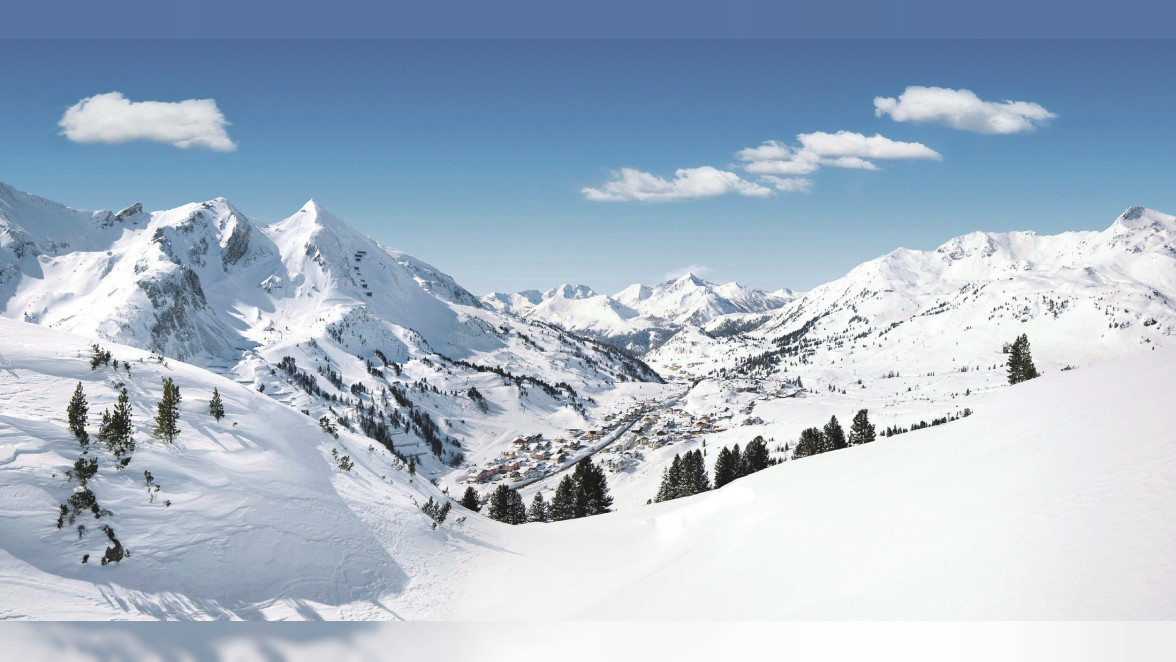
x: 316, y: 314
x: 257, y: 518
x: 1079, y: 296
x: 640, y: 317
x: 1006, y: 511
x: 692, y: 300
x: 253, y: 518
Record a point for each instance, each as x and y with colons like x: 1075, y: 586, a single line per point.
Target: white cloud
x: 628, y: 185
x: 961, y: 109
x: 775, y: 158
x: 851, y: 146
x: 113, y: 119
x: 844, y: 149
x: 699, y: 270
x: 789, y: 184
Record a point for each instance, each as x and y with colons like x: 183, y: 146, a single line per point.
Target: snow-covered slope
x: 1056, y: 500
x: 640, y: 317
x: 318, y: 315
x: 1079, y: 296
x: 253, y: 519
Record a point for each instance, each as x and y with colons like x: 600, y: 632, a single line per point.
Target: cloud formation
x: 789, y: 184
x: 961, y: 109
x: 844, y: 149
x: 629, y: 185
x: 112, y: 119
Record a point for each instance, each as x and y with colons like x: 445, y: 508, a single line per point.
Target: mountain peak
x: 689, y: 278
x: 569, y: 291
x: 313, y: 209
x: 313, y: 216
x: 1139, y: 218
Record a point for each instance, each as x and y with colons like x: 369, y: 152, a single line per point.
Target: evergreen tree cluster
x: 582, y: 493
x: 793, y: 343
x: 115, y: 434
x: 437, y: 511
x: 1020, y: 362
x: 83, y: 470
x: 557, y: 391
x: 478, y: 399
x: 99, y: 357
x: 507, y: 506
x: 732, y: 463
x: 686, y: 476
x: 894, y: 429
x: 814, y: 441
x: 328, y: 427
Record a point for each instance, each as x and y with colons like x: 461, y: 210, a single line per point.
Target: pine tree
x: 725, y: 469
x: 695, y: 480
x: 671, y: 487
x: 469, y: 500
x: 538, y: 511
x: 168, y: 415
x: 76, y: 412
x: 115, y: 431
x: 667, y: 489
x: 563, y: 501
x: 591, y: 490
x: 516, y: 510
x: 834, y: 436
x: 755, y: 456
x: 1020, y: 363
x: 500, y: 503
x: 215, y: 407
x: 1016, y: 361
x: 861, y: 431
x: 811, y: 443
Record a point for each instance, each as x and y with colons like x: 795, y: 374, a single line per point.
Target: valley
x: 363, y: 387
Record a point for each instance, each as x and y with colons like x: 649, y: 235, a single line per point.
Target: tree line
x: 814, y: 441
x: 583, y: 493
x: 687, y: 476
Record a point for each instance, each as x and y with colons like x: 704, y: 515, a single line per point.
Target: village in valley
x: 634, y: 435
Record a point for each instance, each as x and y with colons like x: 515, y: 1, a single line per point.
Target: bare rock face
x: 236, y: 245
x: 133, y: 210
x: 180, y: 316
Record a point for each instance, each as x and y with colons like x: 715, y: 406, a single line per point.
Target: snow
x: 204, y: 284
x: 1057, y: 500
x: 638, y: 317
x: 1054, y: 499
x: 262, y: 524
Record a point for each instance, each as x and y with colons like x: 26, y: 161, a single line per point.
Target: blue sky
x: 474, y: 155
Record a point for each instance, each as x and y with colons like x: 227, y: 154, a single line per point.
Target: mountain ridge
x: 308, y: 310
